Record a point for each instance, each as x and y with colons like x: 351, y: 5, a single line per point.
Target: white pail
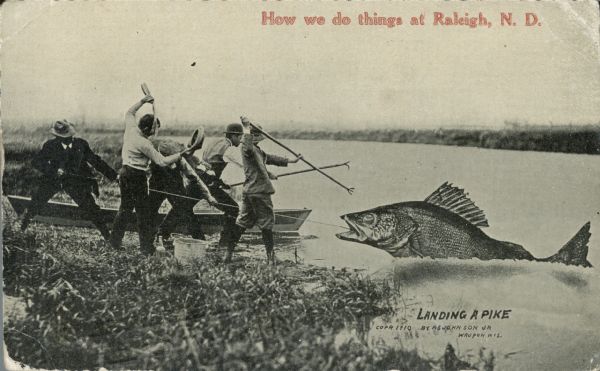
x: 189, y: 249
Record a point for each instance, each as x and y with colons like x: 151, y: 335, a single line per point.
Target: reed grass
x: 91, y: 307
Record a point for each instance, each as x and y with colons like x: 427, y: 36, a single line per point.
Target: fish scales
x: 432, y: 228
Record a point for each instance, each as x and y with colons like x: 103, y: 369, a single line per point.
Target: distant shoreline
x: 579, y: 140
x: 584, y: 139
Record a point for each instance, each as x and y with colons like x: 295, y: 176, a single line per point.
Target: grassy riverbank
x: 88, y: 307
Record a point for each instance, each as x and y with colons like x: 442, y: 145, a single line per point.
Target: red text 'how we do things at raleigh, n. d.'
x: 436, y: 19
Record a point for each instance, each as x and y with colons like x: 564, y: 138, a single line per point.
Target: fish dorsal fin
x: 455, y: 199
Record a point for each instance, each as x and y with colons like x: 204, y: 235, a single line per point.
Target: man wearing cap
x: 66, y: 164
x: 217, y: 156
x: 137, y: 154
x: 257, y: 207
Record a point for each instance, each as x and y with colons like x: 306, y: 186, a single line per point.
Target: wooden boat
x: 68, y: 214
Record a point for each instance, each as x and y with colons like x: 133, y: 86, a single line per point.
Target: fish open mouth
x: 354, y: 234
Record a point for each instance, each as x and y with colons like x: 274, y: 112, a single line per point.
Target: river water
x: 538, y: 200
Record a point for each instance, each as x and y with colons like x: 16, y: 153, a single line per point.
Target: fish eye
x: 368, y: 218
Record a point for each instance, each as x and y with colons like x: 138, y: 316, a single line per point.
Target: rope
x: 229, y: 205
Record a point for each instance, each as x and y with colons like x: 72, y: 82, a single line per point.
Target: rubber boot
x: 235, y: 237
x: 228, y: 232
x: 267, y: 236
x: 105, y: 232
x: 224, y: 237
x: 25, y: 221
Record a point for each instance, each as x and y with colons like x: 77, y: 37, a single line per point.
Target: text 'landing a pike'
x: 446, y: 225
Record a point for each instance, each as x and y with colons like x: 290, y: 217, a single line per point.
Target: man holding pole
x: 218, y: 155
x: 257, y: 206
x: 137, y: 154
x: 173, y: 182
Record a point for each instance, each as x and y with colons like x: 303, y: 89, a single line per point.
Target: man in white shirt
x: 137, y: 154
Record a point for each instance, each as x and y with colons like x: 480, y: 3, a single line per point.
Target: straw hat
x: 63, y: 129
x: 167, y: 147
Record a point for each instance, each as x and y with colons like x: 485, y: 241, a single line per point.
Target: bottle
x: 160, y: 248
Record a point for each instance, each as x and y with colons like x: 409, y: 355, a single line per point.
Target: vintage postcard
x: 315, y: 185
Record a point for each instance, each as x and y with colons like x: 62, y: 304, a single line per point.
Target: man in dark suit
x: 66, y: 164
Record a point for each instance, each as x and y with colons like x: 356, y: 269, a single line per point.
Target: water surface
x: 538, y: 200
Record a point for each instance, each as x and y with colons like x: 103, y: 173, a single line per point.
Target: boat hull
x: 67, y: 214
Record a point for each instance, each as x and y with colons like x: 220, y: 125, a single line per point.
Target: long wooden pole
x: 348, y: 189
x: 300, y: 172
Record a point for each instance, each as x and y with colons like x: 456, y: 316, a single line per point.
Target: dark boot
x: 234, y: 239
x: 267, y: 236
x: 105, y: 232
x: 229, y: 255
x: 228, y: 233
x: 25, y: 221
x: 224, y: 238
x: 115, y: 243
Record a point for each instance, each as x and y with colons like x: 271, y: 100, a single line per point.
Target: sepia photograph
x: 315, y: 185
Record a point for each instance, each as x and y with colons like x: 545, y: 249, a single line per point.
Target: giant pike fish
x: 446, y: 225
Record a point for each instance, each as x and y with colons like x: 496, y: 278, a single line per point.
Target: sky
x: 84, y: 61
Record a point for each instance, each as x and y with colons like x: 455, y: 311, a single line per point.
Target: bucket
x: 189, y: 249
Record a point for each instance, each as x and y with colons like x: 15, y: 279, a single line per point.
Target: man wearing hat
x: 137, y: 154
x: 66, y: 164
x: 217, y: 156
x: 257, y: 206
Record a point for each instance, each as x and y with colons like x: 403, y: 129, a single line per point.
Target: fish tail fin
x: 575, y: 251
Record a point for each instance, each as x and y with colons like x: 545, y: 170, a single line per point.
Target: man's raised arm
x: 130, y: 114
